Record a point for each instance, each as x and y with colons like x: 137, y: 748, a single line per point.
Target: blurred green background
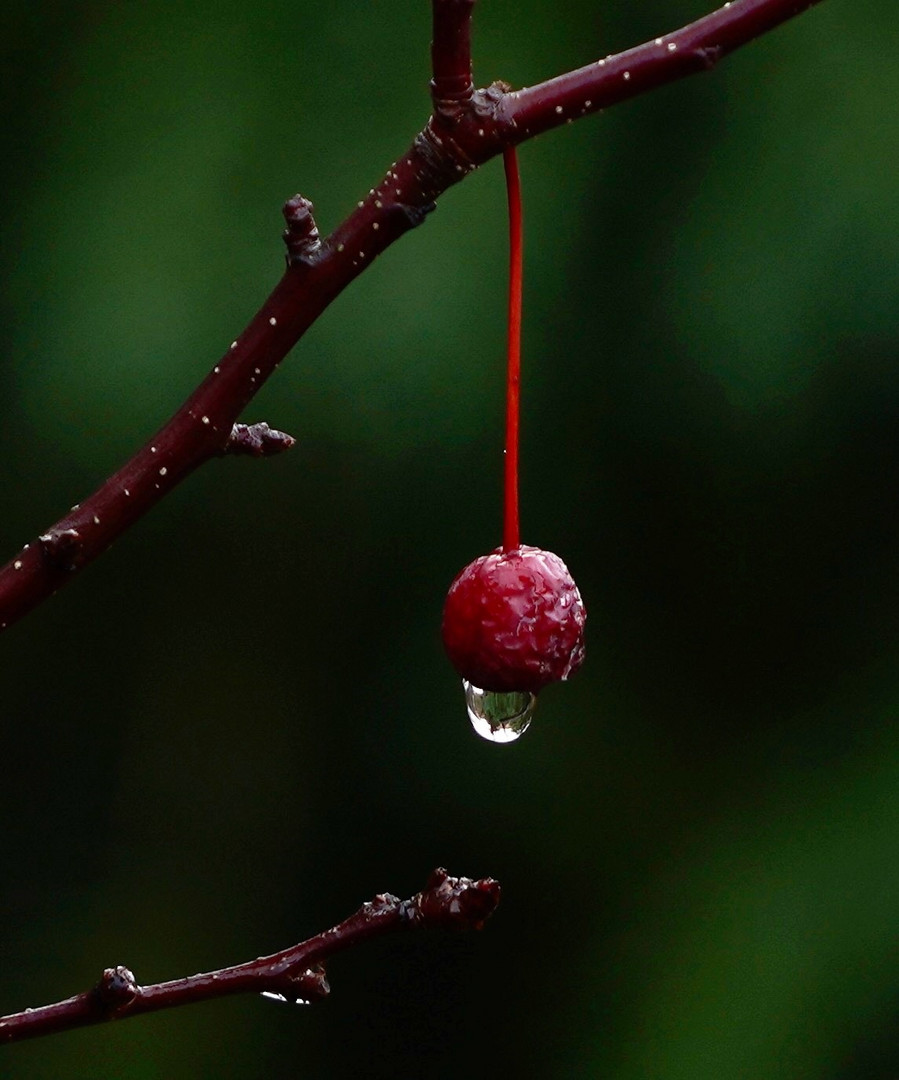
x: 238, y: 725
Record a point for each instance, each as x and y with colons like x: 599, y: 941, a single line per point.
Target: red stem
x: 513, y: 369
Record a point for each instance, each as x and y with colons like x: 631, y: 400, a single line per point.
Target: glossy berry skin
x: 514, y: 620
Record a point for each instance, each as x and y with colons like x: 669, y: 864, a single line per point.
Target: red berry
x: 514, y: 620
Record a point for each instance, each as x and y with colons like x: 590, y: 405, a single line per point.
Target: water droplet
x: 272, y: 996
x: 498, y: 717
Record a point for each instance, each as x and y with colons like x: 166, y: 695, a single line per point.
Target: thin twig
x: 451, y: 85
x: 295, y: 975
x: 455, y: 141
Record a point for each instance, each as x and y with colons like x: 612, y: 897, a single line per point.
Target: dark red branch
x: 295, y: 975
x: 694, y: 48
x: 455, y: 141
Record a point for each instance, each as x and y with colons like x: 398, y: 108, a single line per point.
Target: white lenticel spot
x: 216, y: 369
x: 127, y: 492
x: 163, y: 471
x: 672, y: 45
x: 96, y: 520
x: 340, y: 247
x: 658, y: 41
x: 152, y: 449
x: 204, y: 419
x: 273, y: 321
x: 258, y: 370
x: 375, y: 225
x: 558, y: 108
x: 17, y: 565
x: 233, y: 346
x: 627, y: 75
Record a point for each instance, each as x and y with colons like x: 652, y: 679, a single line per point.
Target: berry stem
x: 513, y: 353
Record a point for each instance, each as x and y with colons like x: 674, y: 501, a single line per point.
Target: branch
x: 694, y: 48
x: 295, y: 975
x: 467, y: 129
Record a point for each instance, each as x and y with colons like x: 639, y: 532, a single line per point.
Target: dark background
x: 239, y: 724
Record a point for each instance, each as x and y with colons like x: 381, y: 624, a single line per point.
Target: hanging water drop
x: 496, y: 716
x: 270, y: 995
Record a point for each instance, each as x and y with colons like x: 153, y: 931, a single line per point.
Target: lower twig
x: 295, y: 975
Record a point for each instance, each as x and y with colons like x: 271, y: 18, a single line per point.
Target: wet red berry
x: 514, y: 620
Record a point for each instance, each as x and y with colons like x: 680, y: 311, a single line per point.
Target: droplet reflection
x: 499, y: 717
